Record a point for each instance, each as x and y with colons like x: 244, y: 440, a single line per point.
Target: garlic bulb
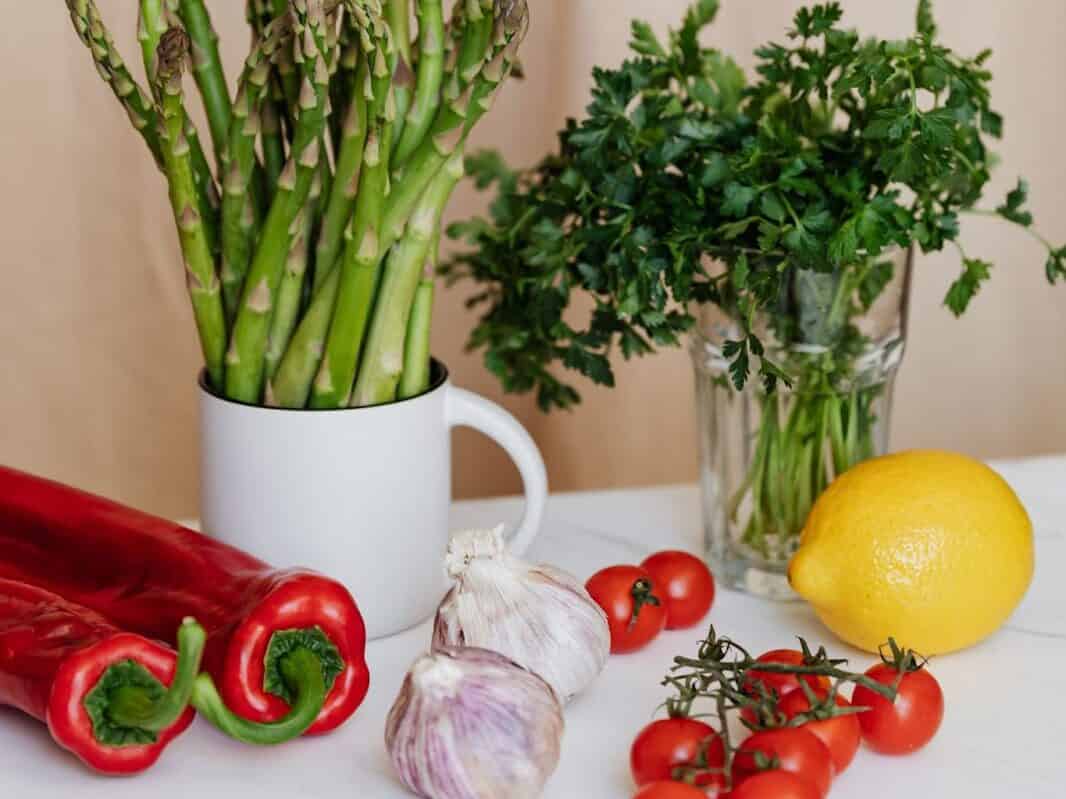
x: 471, y: 724
x: 539, y: 616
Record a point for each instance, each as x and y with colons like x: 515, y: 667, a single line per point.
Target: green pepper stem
x: 131, y: 706
x: 302, y: 669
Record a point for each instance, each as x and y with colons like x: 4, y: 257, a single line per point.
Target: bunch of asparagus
x: 306, y: 247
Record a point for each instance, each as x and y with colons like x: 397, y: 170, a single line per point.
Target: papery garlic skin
x: 471, y: 724
x: 539, y: 616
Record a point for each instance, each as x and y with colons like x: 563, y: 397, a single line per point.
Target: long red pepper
x: 286, y: 648
x: 101, y: 691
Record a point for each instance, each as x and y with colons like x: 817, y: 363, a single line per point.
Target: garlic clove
x: 539, y: 616
x: 472, y: 724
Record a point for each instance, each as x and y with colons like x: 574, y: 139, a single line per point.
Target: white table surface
x: 1004, y: 733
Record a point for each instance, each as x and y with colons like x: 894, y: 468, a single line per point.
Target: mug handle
x: 466, y: 409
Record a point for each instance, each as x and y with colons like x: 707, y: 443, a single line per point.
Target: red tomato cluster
x: 669, y: 590
x: 682, y: 758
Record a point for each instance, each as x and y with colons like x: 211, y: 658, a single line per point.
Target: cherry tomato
x: 840, y: 734
x: 909, y: 723
x: 686, y: 584
x: 668, y: 789
x: 795, y: 750
x: 667, y: 743
x: 781, y: 684
x: 775, y: 784
x: 635, y: 613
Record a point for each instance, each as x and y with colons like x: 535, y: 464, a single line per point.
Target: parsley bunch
x: 838, y: 149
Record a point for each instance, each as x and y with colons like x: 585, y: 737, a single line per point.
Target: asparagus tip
x: 513, y: 14
x: 172, y: 53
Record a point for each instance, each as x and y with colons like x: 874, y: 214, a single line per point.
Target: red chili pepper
x: 272, y: 635
x: 101, y: 691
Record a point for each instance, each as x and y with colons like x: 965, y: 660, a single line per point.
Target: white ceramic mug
x: 360, y: 494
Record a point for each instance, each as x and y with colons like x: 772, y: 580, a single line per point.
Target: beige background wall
x: 99, y: 354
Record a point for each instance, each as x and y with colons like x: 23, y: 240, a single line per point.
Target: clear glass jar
x: 765, y: 458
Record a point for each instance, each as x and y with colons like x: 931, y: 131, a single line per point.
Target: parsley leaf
x: 645, y: 42
x: 1013, y: 209
x: 777, y: 196
x: 1056, y: 265
x: 926, y: 24
x: 965, y: 288
x: 738, y: 199
x: 739, y: 364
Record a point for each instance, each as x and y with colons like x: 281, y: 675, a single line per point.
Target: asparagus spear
x: 290, y: 291
x: 245, y: 361
x: 240, y: 211
x: 472, y: 29
x: 273, y: 143
x: 456, y: 119
x: 291, y: 385
x: 203, y: 284
x: 290, y: 81
x: 343, y: 85
x: 241, y: 216
x: 329, y: 7
x: 362, y: 254
x: 346, y: 181
x: 428, y: 83
x: 289, y: 84
x: 207, y: 70
x: 287, y: 62
x: 416, y: 355
x: 259, y: 16
x: 383, y: 361
x: 252, y: 12
x: 153, y: 20
x: 398, y: 16
x: 206, y: 191
x: 95, y: 36
x: 355, y: 40
x: 479, y: 25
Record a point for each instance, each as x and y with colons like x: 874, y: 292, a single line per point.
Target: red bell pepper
x: 285, y: 648
x: 100, y: 690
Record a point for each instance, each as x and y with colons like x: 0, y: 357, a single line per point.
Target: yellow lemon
x: 931, y: 548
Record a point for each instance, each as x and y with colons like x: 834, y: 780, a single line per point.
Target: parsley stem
x: 1027, y: 228
x: 966, y: 161
x: 747, y: 251
x: 791, y: 212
